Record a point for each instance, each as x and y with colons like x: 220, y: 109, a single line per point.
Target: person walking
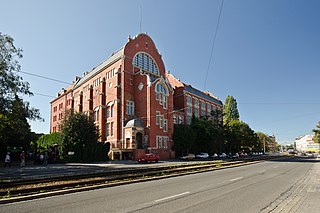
x: 7, y: 160
x: 23, y: 159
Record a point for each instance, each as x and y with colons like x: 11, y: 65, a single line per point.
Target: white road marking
x: 262, y: 171
x: 234, y: 179
x: 275, y: 167
x: 170, y: 197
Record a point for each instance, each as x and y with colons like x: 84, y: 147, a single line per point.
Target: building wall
x: 108, y: 92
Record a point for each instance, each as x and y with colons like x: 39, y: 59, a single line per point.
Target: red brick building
x: 131, y: 100
x: 188, y: 100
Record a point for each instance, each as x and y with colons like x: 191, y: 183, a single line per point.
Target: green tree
x: 79, y: 135
x: 230, y: 110
x: 184, y: 139
x: 239, y: 136
x: 14, y: 112
x: 316, y: 131
x: 48, y: 140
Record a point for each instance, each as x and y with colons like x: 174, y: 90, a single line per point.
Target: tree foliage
x: 230, y: 110
x: 79, y: 135
x: 316, y: 131
x: 239, y: 136
x: 14, y: 112
x: 48, y: 140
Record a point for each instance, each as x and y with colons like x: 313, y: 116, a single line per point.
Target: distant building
x: 306, y: 144
x: 133, y: 101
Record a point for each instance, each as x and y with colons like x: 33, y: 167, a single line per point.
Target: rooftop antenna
x: 140, y: 21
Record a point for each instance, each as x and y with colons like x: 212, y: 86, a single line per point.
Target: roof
x: 201, y: 94
x: 136, y: 122
x: 114, y: 57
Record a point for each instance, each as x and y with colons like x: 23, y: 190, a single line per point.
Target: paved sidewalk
x: 55, y: 170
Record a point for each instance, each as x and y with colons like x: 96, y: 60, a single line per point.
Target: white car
x: 202, y: 155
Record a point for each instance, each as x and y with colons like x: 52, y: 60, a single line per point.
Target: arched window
x: 162, y: 95
x: 145, y: 62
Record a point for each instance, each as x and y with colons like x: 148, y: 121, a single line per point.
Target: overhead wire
x: 213, y: 44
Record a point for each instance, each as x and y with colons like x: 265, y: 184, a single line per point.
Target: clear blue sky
x: 266, y: 55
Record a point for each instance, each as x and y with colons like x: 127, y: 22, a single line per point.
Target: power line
x: 280, y: 103
x: 213, y: 44
x: 40, y: 76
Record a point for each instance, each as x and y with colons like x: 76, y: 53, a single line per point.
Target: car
x: 233, y: 156
x: 189, y: 156
x: 202, y: 155
x: 149, y: 158
x: 214, y: 156
x: 223, y: 155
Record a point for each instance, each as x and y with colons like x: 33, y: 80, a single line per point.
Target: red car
x: 149, y: 158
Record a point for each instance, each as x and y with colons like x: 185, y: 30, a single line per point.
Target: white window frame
x: 130, y: 108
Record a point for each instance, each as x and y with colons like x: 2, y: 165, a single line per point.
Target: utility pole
x: 264, y: 145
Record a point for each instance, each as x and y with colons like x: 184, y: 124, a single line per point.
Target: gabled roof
x: 176, y: 83
x: 113, y: 58
x: 201, y: 94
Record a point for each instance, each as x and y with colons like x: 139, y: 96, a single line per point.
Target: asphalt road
x: 291, y: 185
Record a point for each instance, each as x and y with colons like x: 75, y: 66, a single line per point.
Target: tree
x: 230, y: 110
x: 316, y: 131
x: 184, y: 139
x: 239, y: 136
x: 48, y: 140
x: 14, y: 112
x: 79, y: 135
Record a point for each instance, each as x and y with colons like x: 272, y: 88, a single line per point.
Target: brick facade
x: 131, y: 99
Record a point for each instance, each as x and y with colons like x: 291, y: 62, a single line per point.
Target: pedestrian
x: 23, y: 159
x: 41, y: 158
x: 7, y: 160
x: 46, y: 157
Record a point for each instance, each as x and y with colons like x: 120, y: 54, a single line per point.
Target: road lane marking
x: 262, y: 171
x: 275, y: 167
x: 234, y: 179
x: 170, y: 197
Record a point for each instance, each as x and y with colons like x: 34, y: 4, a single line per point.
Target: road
x: 290, y: 185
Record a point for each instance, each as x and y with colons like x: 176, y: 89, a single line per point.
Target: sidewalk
x: 31, y: 171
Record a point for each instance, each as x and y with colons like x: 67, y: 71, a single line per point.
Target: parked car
x: 202, y: 155
x: 233, y: 156
x: 189, y: 156
x: 214, y: 156
x: 223, y: 155
x: 149, y: 158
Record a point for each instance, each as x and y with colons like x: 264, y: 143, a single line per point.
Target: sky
x: 266, y: 53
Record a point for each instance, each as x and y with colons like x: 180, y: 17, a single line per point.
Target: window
x: 209, y: 109
x: 112, y: 110
x: 189, y: 110
x: 196, y: 113
x: 54, y: 118
x: 108, y: 112
x: 175, y: 119
x: 189, y: 118
x: 146, y: 63
x: 94, y: 115
x: 162, y: 95
x: 181, y: 119
x: 165, y: 125
x: 189, y: 100
x: 112, y: 129
x: 108, y: 129
x: 162, y: 142
x: 161, y: 122
x: 130, y: 108
x: 158, y: 115
x: 203, y: 108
